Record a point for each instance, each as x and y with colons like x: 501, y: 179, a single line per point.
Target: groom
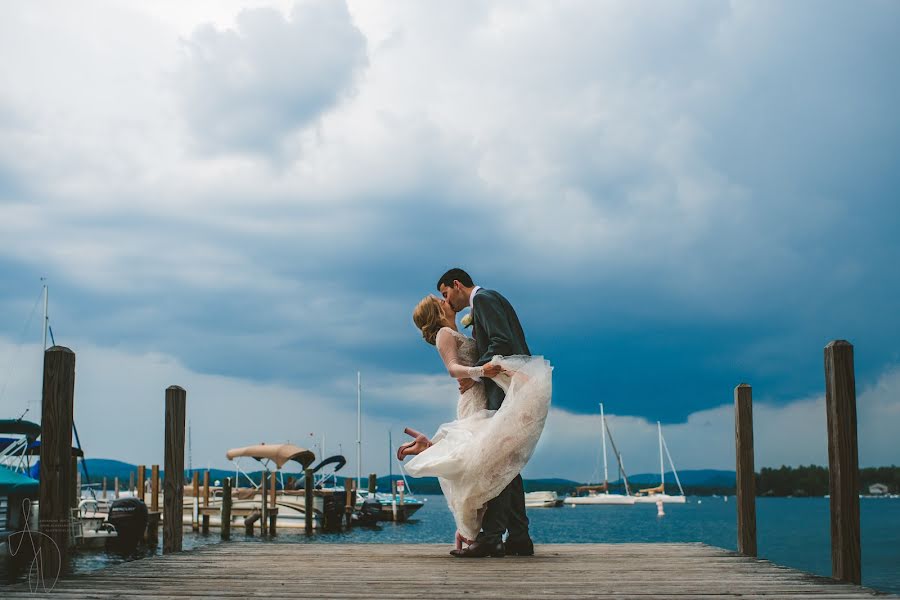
x: 497, y: 330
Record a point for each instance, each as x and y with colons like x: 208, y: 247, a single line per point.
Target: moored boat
x: 654, y: 495
x: 542, y: 499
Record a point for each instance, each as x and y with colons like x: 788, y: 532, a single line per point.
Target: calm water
x: 791, y: 531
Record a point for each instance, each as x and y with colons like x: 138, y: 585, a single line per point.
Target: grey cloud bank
x: 676, y: 197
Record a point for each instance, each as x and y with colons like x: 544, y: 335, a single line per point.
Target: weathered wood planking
x: 316, y: 570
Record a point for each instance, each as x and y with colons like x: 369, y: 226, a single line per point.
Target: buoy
x: 659, y: 508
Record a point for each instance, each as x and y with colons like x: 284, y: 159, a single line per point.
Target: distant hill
x: 693, y: 478
x: 698, y: 481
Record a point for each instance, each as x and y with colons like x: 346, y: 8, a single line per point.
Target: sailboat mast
x: 390, y: 464
x: 358, y: 430
x: 662, y: 472
x: 603, y: 436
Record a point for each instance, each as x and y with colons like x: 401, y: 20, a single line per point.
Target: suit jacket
x: 497, y: 331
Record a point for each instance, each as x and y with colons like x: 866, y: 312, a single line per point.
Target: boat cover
x: 17, y: 426
x: 12, y: 482
x: 277, y: 453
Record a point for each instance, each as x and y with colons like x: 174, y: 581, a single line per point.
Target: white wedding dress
x: 480, y: 453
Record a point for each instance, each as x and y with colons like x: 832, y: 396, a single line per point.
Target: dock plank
x: 309, y: 570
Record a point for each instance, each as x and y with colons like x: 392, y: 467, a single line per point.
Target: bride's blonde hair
x: 429, y: 318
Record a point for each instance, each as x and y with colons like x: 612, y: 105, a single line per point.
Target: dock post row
x: 843, y: 464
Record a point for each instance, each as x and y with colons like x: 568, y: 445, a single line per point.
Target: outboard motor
x: 129, y: 517
x: 369, y: 513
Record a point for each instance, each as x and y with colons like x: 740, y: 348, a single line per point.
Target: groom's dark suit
x: 497, y: 331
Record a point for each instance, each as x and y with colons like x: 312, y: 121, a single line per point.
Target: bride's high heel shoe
x: 416, y: 446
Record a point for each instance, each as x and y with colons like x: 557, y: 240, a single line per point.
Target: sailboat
x: 393, y: 507
x: 600, y: 494
x: 658, y: 493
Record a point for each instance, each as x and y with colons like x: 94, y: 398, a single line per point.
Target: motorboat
x: 329, y: 504
x: 542, y: 499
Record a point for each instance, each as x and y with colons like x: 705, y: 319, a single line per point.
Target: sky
x: 248, y: 199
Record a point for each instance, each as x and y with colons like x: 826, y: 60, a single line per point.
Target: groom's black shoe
x: 479, y: 550
x: 519, y: 548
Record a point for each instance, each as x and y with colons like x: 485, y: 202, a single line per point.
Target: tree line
x: 812, y: 480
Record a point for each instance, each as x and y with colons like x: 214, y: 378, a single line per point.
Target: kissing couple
x: 503, y: 402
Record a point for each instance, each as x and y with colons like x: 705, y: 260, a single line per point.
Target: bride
x: 479, y: 454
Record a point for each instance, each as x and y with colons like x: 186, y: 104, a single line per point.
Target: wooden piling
x: 273, y: 512
x: 308, y: 500
x: 195, y: 513
x: 141, y: 474
x: 264, y: 502
x: 154, y: 487
x: 104, y: 488
x: 57, y: 409
x: 226, y: 509
x: 204, y: 516
x: 373, y: 483
x: 116, y: 484
x: 173, y: 465
x: 745, y: 470
x: 131, y: 482
x: 843, y: 461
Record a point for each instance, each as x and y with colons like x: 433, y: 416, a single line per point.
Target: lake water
x: 791, y: 531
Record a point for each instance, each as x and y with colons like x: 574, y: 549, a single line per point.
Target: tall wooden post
x: 843, y: 461
x: 57, y: 411
x: 131, y: 482
x: 154, y: 488
x: 104, y: 488
x: 141, y: 475
x: 373, y: 482
x: 116, y: 484
x: 173, y: 466
x: 745, y: 471
x: 226, y: 509
x: 308, y: 500
x: 264, y: 513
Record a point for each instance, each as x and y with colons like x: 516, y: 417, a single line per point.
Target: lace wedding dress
x: 480, y: 453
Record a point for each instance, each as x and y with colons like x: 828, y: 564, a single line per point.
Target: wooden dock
x: 324, y: 570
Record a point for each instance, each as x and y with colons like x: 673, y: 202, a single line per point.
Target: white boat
x: 543, y: 499
x: 600, y: 494
x: 597, y: 497
x: 658, y: 494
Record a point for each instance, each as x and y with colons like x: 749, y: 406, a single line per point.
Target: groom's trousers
x: 506, y: 512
